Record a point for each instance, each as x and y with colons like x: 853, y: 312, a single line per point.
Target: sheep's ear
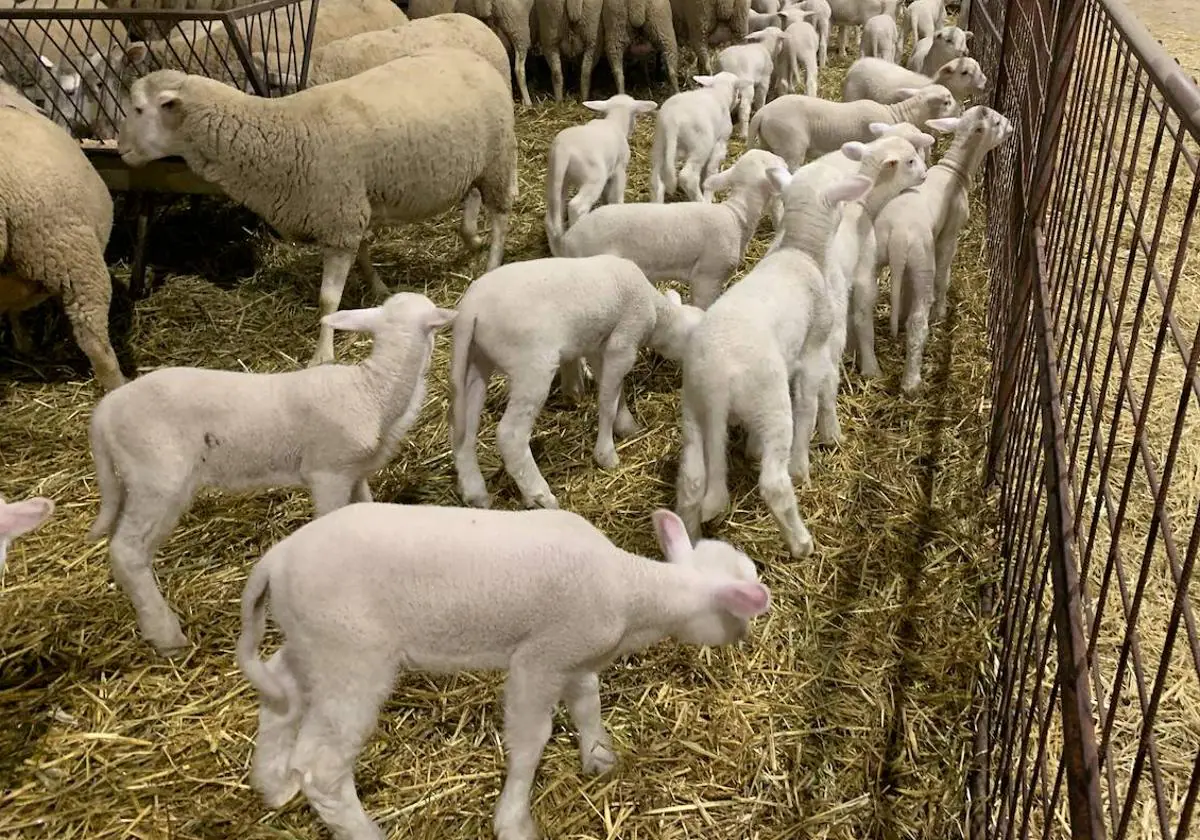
x: 968, y: 35
x: 672, y: 536
x: 754, y: 36
x: 879, y: 128
x: 907, y: 92
x: 137, y: 52
x: 946, y: 125
x: 354, y: 320
x: 717, y: 181
x: 644, y: 106
x: 922, y: 141
x: 849, y: 189
x: 744, y: 599
x: 22, y: 517
x: 600, y: 105
x: 47, y: 63
x: 673, y: 297
x: 854, y: 150
x: 779, y: 178
x: 168, y: 100
x: 441, y: 318
x: 704, y: 81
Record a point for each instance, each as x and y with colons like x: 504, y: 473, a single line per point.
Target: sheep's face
x: 897, y: 163
x: 987, y: 127
x: 938, y: 101
x: 963, y: 75
x: 149, y: 130
x: 953, y: 38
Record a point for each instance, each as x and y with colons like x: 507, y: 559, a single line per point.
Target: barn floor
x: 848, y: 716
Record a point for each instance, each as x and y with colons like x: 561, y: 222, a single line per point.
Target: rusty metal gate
x: 1090, y: 711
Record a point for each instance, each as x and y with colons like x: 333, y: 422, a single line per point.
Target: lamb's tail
x: 112, y: 489
x: 464, y: 337
x: 556, y: 175
x: 752, y: 138
x: 277, y: 686
x: 662, y: 155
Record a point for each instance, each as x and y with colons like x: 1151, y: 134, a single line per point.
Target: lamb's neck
x: 663, y: 596
x: 874, y: 201
x: 808, y: 229
x: 393, y: 371
x: 963, y: 159
x: 621, y: 119
x: 226, y: 143
x: 906, y: 110
x: 747, y: 206
x: 725, y: 95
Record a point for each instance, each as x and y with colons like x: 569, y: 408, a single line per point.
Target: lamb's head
x: 962, y: 76
x: 724, y: 578
x: 983, y: 128
x: 728, y: 86
x: 403, y: 315
x: 893, y: 163
x: 748, y: 173
x: 954, y: 39
x: 157, y: 109
x: 929, y: 102
x: 793, y: 15
x: 770, y: 37
x: 622, y: 107
x: 20, y: 518
x: 673, y: 325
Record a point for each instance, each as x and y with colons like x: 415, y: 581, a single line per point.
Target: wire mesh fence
x: 1092, y: 708
x: 77, y: 58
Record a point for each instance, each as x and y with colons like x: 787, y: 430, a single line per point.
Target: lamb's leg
x: 774, y: 429
x: 616, y: 362
x: 712, y: 166
x: 586, y: 66
x: 864, y: 293
x: 690, y: 174
x: 583, y: 201
x: 330, y: 491
x: 554, y: 58
x: 944, y: 250
x: 520, y: 51
x: 804, y: 413
x: 86, y: 298
x: 689, y: 484
x: 744, y: 115
x: 582, y: 696
x: 471, y: 485
x: 624, y: 425
x: 700, y: 48
x: 277, y: 731
x: 148, y: 516
x: 22, y: 342
x: 916, y: 328
x: 527, y: 392
x: 499, y: 199
x: 614, y: 190
x: 829, y: 430
x: 367, y: 269
x: 469, y: 231
x: 706, y: 281
x: 571, y: 379
x: 333, y: 281
x: 362, y: 492
x: 529, y: 700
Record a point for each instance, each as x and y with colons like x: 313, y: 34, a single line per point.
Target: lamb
x: 17, y: 518
x: 918, y: 232
x: 541, y: 594
x: 696, y: 124
x: 932, y: 52
x: 531, y: 319
x: 758, y: 21
x: 637, y: 27
x: 697, y: 242
x: 322, y: 164
x: 592, y: 158
x: 55, y: 218
x: 797, y: 126
x: 349, y: 56
x: 511, y: 20
x: 166, y: 435
x: 888, y: 83
x: 750, y: 349
x: 801, y: 44
x: 710, y: 23
x: 752, y: 62
x: 925, y: 17
x: 822, y: 17
x: 569, y: 29
x: 848, y: 13
x: 881, y: 38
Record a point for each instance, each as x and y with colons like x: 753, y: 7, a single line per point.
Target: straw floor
x: 847, y: 716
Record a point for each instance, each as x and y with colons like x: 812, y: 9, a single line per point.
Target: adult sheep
x: 707, y: 23
x: 638, y: 27
x: 570, y: 29
x: 55, y: 219
x: 397, y: 143
x: 349, y: 56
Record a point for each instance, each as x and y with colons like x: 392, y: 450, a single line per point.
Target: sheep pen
x: 848, y: 714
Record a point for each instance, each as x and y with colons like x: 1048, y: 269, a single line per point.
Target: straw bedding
x: 847, y: 716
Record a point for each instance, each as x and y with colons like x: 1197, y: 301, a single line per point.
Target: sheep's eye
x: 137, y: 109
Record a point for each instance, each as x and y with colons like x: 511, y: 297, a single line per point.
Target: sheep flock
x: 604, y: 403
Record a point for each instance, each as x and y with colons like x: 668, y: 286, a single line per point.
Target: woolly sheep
x: 321, y: 165
x: 822, y: 17
x: 543, y: 595
x: 708, y: 23
x: 754, y: 63
x: 801, y: 45
x: 947, y: 44
x: 696, y: 242
x: 17, y: 518
x: 882, y: 81
x: 31, y: 74
x: 351, y: 56
x: 918, y: 232
x: 160, y: 439
x: 747, y: 359
x: 925, y: 17
x: 797, y: 126
x: 591, y: 158
x: 881, y: 38
x: 637, y: 27
x: 55, y: 218
x: 764, y: 7
x: 696, y: 125
x: 531, y: 319
x: 569, y: 28
x: 511, y: 20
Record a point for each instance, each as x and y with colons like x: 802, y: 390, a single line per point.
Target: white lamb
x: 696, y: 242
x: 17, y: 518
x: 592, y: 158
x: 932, y: 52
x: 543, y: 595
x: 159, y: 439
x: 925, y: 17
x: 822, y: 17
x: 918, y: 232
x: 397, y: 143
x: 881, y: 38
x: 752, y: 62
x: 801, y: 45
x: 796, y: 127
x: 695, y: 124
x: 882, y: 81
x: 532, y: 319
x: 853, y: 13
x: 747, y: 359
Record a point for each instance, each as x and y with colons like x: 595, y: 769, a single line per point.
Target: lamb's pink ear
x: 907, y: 92
x: 744, y: 599
x: 779, y: 178
x: 441, y: 317
x: 600, y: 105
x: 354, y: 320
x: 644, y: 106
x: 849, y: 189
x: 879, y: 128
x: 946, y: 125
x: 717, y: 181
x: 672, y: 536
x: 854, y: 150
x: 921, y: 141
x: 22, y: 517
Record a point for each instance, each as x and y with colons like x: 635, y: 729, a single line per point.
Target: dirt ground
x: 1176, y: 23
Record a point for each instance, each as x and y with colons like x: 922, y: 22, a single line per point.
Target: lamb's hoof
x: 831, y: 438
x: 320, y: 358
x: 712, y: 507
x: 544, y: 500
x: 518, y: 826
x: 607, y: 459
x: 800, y: 474
x: 476, y: 501
x: 803, y: 548
x: 626, y: 428
x: 276, y: 796
x: 474, y: 243
x: 599, y: 758
x: 910, y: 385
x: 176, y: 649
x: 870, y: 370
